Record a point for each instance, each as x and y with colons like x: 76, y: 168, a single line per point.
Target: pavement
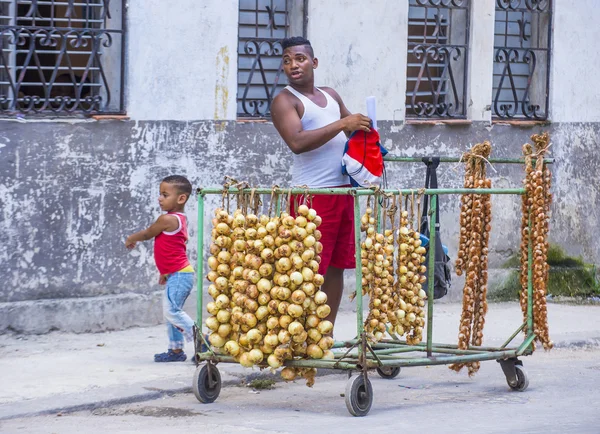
x: 63, y: 372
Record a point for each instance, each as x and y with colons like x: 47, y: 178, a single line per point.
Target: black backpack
x: 442, y: 260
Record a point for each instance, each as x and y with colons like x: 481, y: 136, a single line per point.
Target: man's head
x: 175, y: 190
x: 299, y: 60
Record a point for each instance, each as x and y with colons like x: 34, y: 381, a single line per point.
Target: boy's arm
x: 288, y: 124
x: 165, y: 222
x: 344, y: 112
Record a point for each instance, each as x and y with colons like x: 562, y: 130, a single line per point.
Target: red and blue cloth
x: 363, y: 159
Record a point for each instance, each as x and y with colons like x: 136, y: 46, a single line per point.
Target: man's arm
x: 288, y: 124
x: 165, y: 222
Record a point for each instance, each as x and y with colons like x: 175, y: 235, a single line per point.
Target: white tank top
x: 321, y: 167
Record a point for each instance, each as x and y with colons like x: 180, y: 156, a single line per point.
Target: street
x: 562, y: 398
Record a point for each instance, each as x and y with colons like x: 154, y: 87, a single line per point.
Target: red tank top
x: 169, y: 248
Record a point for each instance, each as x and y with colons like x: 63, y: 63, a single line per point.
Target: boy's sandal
x: 170, y: 356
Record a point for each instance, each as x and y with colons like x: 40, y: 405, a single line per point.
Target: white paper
x: 372, y: 110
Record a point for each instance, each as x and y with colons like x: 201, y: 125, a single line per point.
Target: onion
x: 295, y: 328
x: 212, y: 276
x: 243, y: 340
x: 212, y: 308
x: 261, y: 313
x: 263, y: 285
x: 309, y: 241
x: 221, y: 283
x: 308, y: 288
x: 284, y: 280
x: 308, y: 255
x: 265, y: 270
x: 328, y: 355
x: 254, y: 336
x: 245, y: 360
x: 314, y: 351
x: 298, y: 296
x: 325, y: 327
x: 300, y: 337
x: 318, y: 280
x: 272, y: 322
x: 288, y: 374
x: 323, y: 311
x: 213, y: 263
x: 285, y: 321
x: 326, y: 343
x: 232, y: 348
x: 307, y: 274
x: 296, y: 278
x: 224, y: 257
x: 284, y: 293
x: 273, y: 361
x: 216, y: 340
x: 295, y: 311
x: 312, y: 321
x: 304, y: 211
x: 297, y: 261
x: 212, y: 323
x: 213, y: 291
x: 222, y: 301
x: 320, y: 297
x: 249, y: 319
x: 314, y: 335
x: 284, y: 336
x: 224, y: 330
x: 223, y: 316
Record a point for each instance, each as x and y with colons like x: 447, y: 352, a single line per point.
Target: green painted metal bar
x: 509, y: 340
x: 385, y: 344
x: 200, y: 263
x: 431, y: 273
x: 369, y: 192
x: 396, y: 158
x: 359, y: 299
x: 525, y: 345
x: 426, y: 361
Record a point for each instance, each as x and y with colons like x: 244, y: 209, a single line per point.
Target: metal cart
x: 389, y: 355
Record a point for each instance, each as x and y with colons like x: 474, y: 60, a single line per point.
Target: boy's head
x: 175, y: 190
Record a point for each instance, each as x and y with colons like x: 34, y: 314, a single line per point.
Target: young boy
x: 170, y: 236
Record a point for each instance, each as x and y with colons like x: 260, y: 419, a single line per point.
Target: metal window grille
x: 438, y: 40
x: 61, y: 56
x: 522, y: 59
x: 262, y: 26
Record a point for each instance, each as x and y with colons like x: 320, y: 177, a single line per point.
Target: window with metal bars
x: 438, y: 42
x: 262, y: 26
x: 61, y: 56
x: 522, y: 39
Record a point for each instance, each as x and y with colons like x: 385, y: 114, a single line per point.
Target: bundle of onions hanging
x: 377, y: 260
x: 536, y: 212
x: 267, y: 304
x: 473, y: 252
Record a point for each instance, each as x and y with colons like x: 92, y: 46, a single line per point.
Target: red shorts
x: 337, y: 229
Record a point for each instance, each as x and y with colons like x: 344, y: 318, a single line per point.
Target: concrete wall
x: 71, y: 190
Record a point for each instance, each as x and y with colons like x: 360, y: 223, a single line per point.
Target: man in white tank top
x: 314, y: 122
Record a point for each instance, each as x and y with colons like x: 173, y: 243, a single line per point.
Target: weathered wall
x: 70, y: 193
x: 182, y: 59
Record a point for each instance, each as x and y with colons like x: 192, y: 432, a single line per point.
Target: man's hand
x: 357, y: 122
x: 162, y: 279
x: 129, y: 243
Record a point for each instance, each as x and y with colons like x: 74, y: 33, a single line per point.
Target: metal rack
x: 389, y: 355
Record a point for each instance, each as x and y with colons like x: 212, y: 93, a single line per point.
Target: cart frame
x: 388, y: 355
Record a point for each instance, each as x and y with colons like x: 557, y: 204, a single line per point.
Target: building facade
x: 101, y: 99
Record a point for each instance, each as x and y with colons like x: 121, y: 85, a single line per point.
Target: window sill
x: 520, y: 123
x: 438, y: 122
x: 110, y: 117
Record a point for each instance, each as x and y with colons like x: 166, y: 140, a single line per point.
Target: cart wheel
x: 522, y: 379
x: 388, y: 373
x: 359, y: 396
x: 207, y: 383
